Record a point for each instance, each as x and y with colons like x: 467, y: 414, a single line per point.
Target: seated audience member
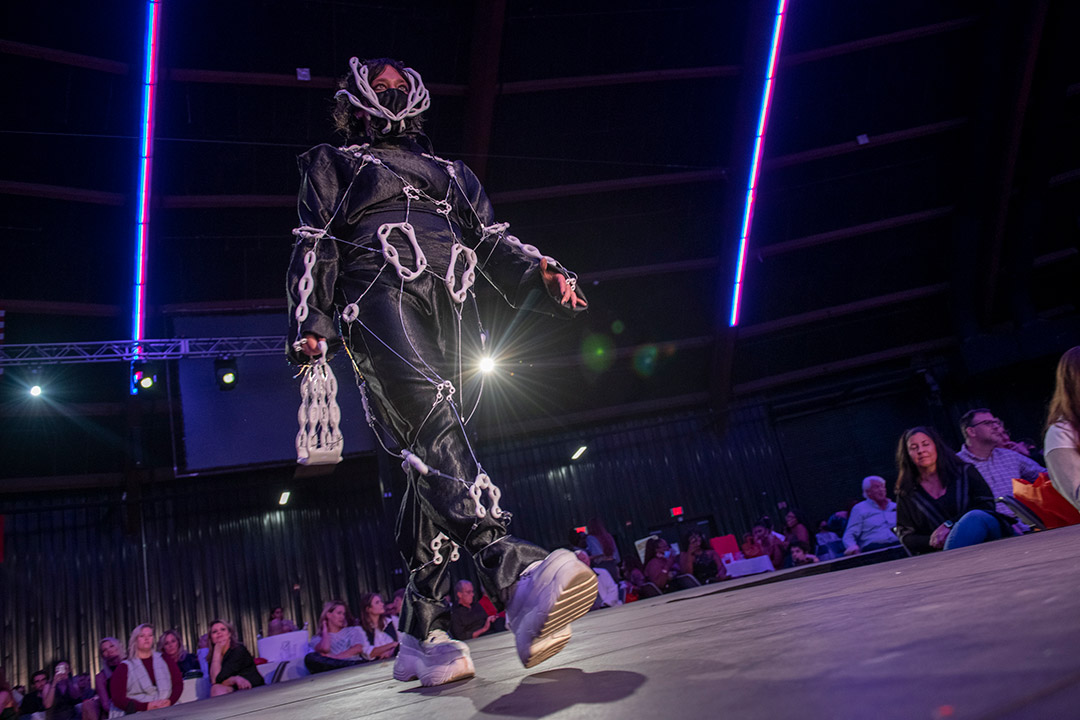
x: 468, y: 620
x: 750, y: 547
x: 987, y: 447
x: 577, y: 541
x: 173, y: 649
x: 870, y: 525
x: 941, y: 501
x: 380, y: 639
x: 796, y: 528
x: 146, y: 680
x: 659, y: 565
x: 633, y: 573
x: 33, y: 701
x: 231, y: 666
x: 340, y: 643
x: 770, y: 546
x: 600, y: 545
x: 8, y: 707
x: 278, y: 624
x: 607, y: 593
x: 393, y: 609
x: 62, y: 694
x: 112, y: 654
x: 800, y: 554
x: 1062, y: 444
x: 700, y: 560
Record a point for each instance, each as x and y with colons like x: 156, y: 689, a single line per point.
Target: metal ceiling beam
x: 1002, y: 197
x: 874, y: 141
x: 230, y: 77
x: 60, y: 192
x: 842, y: 366
x: 601, y: 186
x: 631, y: 78
x: 150, y: 350
x: 877, y: 41
x: 853, y: 231
x: 837, y: 311
x: 63, y: 57
x: 487, y: 33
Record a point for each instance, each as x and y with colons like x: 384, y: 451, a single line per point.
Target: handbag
x: 1046, y: 502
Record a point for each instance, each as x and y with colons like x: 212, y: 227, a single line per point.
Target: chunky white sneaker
x: 437, y: 660
x: 551, y: 594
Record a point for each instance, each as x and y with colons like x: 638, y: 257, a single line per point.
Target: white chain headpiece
x: 418, y: 99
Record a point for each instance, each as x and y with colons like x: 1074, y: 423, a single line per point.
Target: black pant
x: 406, y: 342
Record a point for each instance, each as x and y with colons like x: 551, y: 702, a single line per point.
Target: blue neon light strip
x: 755, y: 161
x: 146, y: 157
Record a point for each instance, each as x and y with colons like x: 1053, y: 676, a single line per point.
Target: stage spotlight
x: 487, y: 365
x: 284, y: 499
x: 144, y: 377
x: 579, y: 452
x: 225, y: 373
x: 35, y: 390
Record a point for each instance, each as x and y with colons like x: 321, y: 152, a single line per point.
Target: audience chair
x: 649, y: 590
x: 1022, y: 511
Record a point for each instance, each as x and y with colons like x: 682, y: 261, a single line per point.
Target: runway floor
x: 984, y: 632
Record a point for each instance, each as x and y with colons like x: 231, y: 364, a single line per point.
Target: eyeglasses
x: 992, y: 421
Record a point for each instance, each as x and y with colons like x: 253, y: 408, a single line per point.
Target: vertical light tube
x: 755, y: 159
x: 146, y: 157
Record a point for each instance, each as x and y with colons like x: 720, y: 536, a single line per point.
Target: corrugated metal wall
x: 634, y: 472
x: 221, y: 547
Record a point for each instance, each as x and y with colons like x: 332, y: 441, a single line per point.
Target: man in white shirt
x: 986, y: 447
x: 871, y: 522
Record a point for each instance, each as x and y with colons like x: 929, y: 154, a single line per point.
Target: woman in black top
x: 941, y: 501
x: 231, y: 665
x: 172, y: 648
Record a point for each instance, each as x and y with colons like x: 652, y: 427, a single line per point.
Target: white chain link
x: 483, y: 482
x: 436, y: 548
x: 391, y: 253
x: 468, y: 276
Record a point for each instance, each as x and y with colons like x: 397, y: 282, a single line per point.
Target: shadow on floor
x: 548, y: 692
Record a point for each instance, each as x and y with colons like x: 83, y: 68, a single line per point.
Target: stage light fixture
x: 144, y: 376
x: 225, y: 373
x: 284, y: 499
x: 487, y: 365
x: 579, y: 452
x: 35, y: 390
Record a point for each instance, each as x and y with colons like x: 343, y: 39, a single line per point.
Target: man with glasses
x: 985, y: 447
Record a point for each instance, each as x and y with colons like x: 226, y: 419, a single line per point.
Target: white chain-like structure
x: 436, y: 547
x: 468, y: 276
x: 319, y: 440
x: 391, y: 254
x: 417, y: 101
x: 483, y: 482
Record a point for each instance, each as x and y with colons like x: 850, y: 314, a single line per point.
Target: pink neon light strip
x: 755, y: 161
x: 146, y: 157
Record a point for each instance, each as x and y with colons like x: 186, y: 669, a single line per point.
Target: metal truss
x: 147, y: 350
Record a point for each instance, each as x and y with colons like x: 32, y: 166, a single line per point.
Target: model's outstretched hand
x: 310, y: 345
x: 558, y: 286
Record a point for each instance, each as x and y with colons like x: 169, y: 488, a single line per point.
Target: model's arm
x: 320, y: 196
x: 516, y: 270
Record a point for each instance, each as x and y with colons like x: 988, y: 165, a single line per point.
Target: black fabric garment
x: 409, y: 336
x: 188, y: 663
x: 238, y: 661
x: 464, y: 621
x: 918, y: 514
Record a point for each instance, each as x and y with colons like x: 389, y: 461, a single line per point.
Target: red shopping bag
x: 1046, y: 502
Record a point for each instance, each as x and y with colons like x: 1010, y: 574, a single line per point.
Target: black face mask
x: 393, y: 99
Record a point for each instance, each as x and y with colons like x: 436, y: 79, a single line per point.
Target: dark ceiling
x: 918, y: 197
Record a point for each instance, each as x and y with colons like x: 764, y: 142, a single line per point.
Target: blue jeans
x: 976, y: 526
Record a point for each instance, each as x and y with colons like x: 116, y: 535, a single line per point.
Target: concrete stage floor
x: 984, y: 632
